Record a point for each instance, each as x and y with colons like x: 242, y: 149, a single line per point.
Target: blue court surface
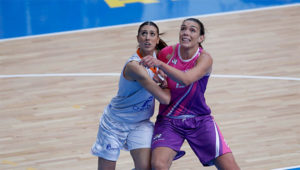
x: 19, y: 18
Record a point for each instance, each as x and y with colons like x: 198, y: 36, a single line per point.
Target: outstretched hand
x: 149, y: 61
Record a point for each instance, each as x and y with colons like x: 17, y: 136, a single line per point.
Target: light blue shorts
x: 114, y: 136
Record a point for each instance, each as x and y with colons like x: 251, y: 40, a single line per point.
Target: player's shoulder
x: 133, y: 65
x: 166, y: 53
x: 205, y: 54
x: 134, y: 71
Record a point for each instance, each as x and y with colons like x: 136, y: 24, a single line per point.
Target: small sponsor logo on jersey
x: 174, y: 61
x: 146, y: 105
x: 179, y: 86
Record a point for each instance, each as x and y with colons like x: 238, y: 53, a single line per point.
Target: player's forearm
x: 175, y: 74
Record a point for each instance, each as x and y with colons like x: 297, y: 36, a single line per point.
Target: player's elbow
x: 185, y: 82
x: 165, y: 99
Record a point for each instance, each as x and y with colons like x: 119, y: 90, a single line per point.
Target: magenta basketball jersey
x: 185, y: 100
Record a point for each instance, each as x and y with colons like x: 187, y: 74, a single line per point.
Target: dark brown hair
x: 161, y: 44
x: 202, y: 30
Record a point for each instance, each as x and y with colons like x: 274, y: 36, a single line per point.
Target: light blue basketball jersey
x: 133, y: 103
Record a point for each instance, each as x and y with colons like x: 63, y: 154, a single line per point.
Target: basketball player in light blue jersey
x: 125, y: 122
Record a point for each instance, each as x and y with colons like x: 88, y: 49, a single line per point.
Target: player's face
x: 147, y: 39
x: 189, y: 35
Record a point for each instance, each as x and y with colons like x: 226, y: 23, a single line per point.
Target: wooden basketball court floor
x: 54, y: 88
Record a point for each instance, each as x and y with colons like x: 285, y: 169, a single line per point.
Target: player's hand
x: 149, y: 61
x: 161, y: 78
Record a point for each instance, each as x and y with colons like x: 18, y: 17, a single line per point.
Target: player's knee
x: 158, y: 164
x: 226, y: 161
x: 143, y: 166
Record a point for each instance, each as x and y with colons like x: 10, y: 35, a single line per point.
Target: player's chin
x: 149, y: 49
x: 185, y: 45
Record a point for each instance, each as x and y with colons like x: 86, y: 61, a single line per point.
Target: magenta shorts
x: 201, y: 132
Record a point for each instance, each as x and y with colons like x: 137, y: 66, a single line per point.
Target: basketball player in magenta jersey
x: 187, y: 117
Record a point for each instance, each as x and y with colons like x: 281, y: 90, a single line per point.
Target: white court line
x: 162, y: 20
x: 291, y: 167
x: 60, y: 75
x: 118, y: 74
x: 255, y: 77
